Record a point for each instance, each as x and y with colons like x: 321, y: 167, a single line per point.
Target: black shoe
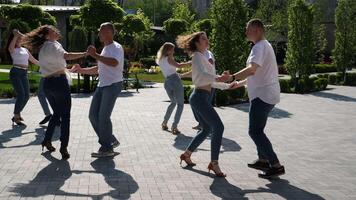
x: 17, y: 121
x: 102, y: 154
x: 48, y: 145
x: 272, y: 172
x: 64, y: 153
x: 115, y: 144
x: 259, y: 165
x: 45, y: 120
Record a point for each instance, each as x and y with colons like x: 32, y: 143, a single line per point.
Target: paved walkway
x: 313, y: 134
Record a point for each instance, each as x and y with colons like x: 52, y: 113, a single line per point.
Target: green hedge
x: 148, y: 62
x: 324, y: 68
x: 338, y: 79
x: 303, y: 86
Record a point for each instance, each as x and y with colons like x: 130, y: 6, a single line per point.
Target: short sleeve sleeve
x: 58, y: 50
x: 117, y: 54
x: 256, y: 55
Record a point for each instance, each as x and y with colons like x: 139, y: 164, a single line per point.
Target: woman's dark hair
x: 188, y: 42
x: 35, y: 39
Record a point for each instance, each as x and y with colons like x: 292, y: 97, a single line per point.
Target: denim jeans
x: 175, y: 92
x: 211, y: 100
x: 57, y: 93
x: 100, y: 111
x: 209, y: 120
x: 258, y: 115
x: 21, y: 86
x: 42, y: 98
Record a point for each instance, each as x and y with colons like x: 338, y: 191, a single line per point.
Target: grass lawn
x: 158, y: 78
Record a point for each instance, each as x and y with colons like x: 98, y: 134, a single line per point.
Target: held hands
x: 234, y: 85
x: 76, y: 69
x: 224, y: 77
x: 91, y: 51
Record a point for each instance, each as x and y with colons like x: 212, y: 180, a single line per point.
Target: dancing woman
x: 18, y: 73
x: 172, y: 84
x: 204, y: 78
x: 52, y: 61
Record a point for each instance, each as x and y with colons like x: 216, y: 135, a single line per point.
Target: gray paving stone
x: 313, y: 135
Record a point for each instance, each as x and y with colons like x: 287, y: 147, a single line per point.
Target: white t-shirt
x: 166, y: 68
x: 111, y: 74
x: 204, y: 73
x: 20, y: 56
x: 264, y: 84
x: 208, y: 55
x: 51, y: 58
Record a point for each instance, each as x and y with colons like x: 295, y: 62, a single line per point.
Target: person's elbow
x: 113, y: 63
x: 252, y: 69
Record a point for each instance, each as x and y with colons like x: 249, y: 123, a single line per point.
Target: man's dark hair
x: 257, y: 23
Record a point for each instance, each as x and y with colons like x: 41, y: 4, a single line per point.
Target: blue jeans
x: 211, y: 100
x: 175, y: 92
x: 42, y: 98
x: 258, y: 115
x: 21, y: 86
x: 209, y: 120
x: 57, y: 93
x: 100, y: 111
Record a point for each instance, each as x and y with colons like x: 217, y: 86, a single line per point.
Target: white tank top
x: 20, y: 56
x: 166, y: 68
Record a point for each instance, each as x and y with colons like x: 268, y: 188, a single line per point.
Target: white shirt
x: 208, y: 55
x: 204, y: 73
x: 20, y: 56
x: 111, y: 74
x: 264, y: 84
x: 51, y: 58
x: 166, y: 68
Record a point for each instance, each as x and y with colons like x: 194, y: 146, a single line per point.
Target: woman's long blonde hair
x: 35, y: 39
x: 188, y: 42
x: 163, y: 51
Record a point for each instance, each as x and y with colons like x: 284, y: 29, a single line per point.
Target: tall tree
x: 345, y: 43
x: 228, y: 38
x: 300, y: 40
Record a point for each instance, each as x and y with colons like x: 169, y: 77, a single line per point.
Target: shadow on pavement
x: 182, y: 141
x: 276, y: 113
x: 40, y: 133
x: 281, y: 187
x: 8, y: 135
x: 52, y: 177
x: 336, y: 97
x: 285, y: 190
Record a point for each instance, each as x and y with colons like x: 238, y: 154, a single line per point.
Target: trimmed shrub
x: 222, y: 98
x: 350, y: 79
x: 324, y: 68
x: 239, y: 93
x: 148, y: 62
x: 332, y: 79
x: 320, y: 84
x: 285, y: 85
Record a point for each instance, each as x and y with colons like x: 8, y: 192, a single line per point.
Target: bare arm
x: 74, y: 56
x: 186, y: 75
x: 171, y: 61
x: 12, y: 45
x: 246, y: 72
x: 32, y: 59
x: 112, y: 62
x: 89, y: 71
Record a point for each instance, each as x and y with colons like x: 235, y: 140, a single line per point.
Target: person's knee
x: 219, y: 128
